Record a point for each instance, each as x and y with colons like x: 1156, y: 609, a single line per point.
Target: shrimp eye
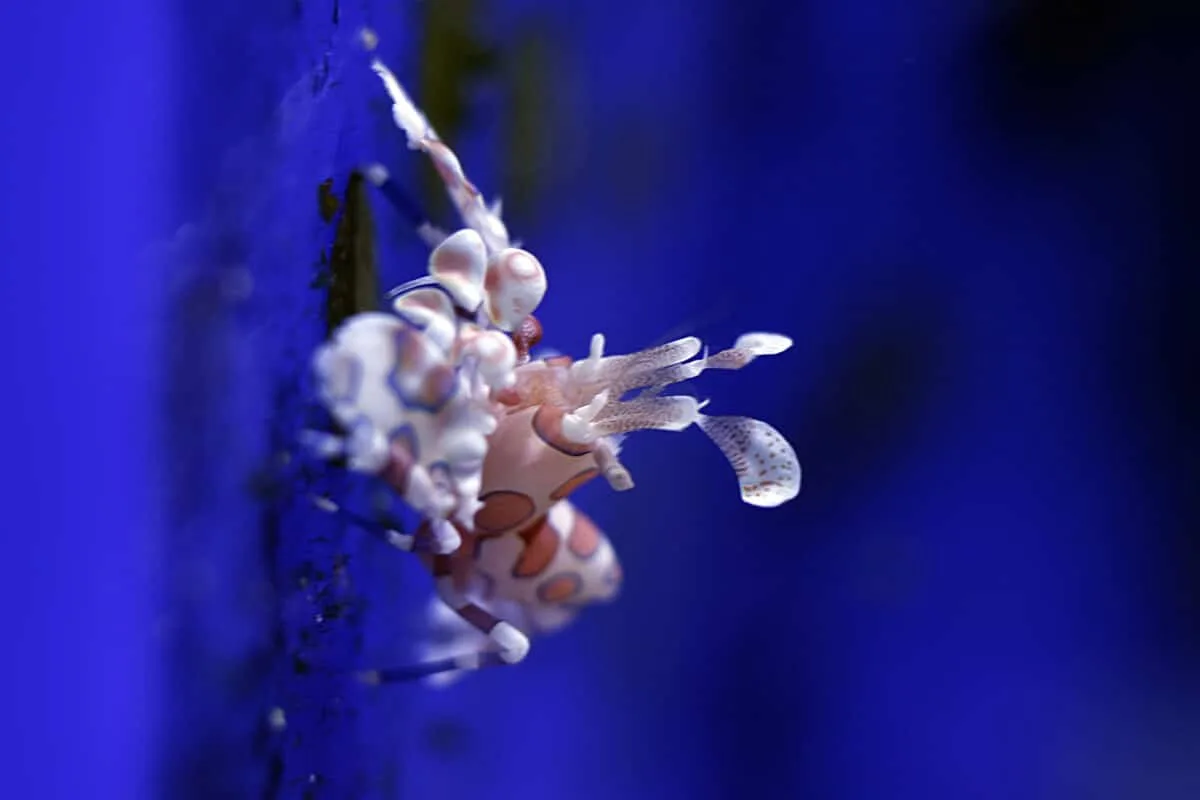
x: 527, y: 336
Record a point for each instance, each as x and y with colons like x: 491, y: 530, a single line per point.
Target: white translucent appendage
x: 767, y: 469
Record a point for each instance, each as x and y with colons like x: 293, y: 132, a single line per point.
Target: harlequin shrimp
x: 442, y: 400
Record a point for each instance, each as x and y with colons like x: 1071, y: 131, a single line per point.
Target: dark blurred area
x: 975, y: 220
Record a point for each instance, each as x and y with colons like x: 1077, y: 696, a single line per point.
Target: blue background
x: 975, y: 219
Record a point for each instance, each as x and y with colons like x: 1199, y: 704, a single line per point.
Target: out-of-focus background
x: 975, y: 219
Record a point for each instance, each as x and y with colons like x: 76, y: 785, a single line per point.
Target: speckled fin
x: 766, y: 465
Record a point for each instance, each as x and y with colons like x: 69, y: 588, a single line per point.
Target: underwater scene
x: 703, y: 400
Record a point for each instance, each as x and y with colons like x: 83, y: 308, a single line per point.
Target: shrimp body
x: 529, y: 552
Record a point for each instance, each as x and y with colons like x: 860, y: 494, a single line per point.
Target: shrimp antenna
x: 475, y: 213
x: 404, y: 203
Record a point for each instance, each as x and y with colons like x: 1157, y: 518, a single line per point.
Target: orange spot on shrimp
x: 573, y: 483
x: 503, y: 510
x: 560, y: 588
x: 541, y: 545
